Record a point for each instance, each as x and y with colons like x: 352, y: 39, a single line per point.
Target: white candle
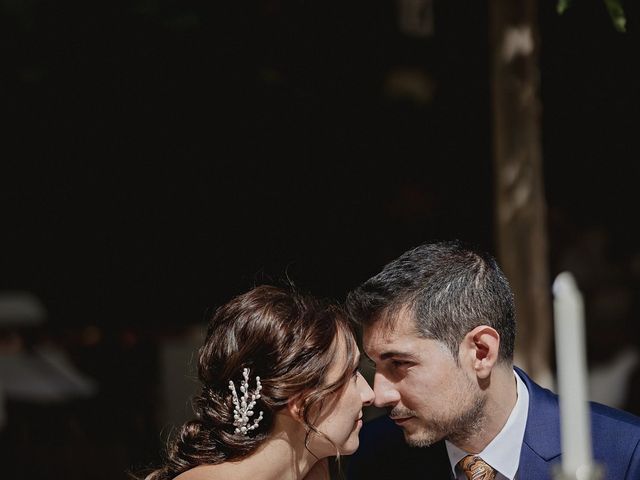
x: 572, y: 376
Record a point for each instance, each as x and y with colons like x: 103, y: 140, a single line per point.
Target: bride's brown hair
x: 289, y: 341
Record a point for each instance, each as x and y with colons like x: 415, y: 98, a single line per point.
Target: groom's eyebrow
x: 396, y: 354
x: 392, y: 354
x: 368, y: 359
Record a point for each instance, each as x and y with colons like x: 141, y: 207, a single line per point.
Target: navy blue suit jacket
x: 383, y: 453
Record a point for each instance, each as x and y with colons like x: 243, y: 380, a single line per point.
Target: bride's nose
x: 366, y: 392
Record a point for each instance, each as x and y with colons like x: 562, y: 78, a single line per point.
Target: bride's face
x: 340, y: 418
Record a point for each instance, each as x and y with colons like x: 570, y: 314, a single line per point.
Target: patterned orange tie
x: 477, y: 469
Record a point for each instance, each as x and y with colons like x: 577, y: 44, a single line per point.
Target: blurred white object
x: 20, y: 309
x: 43, y: 376
x: 571, y: 360
x: 609, y: 383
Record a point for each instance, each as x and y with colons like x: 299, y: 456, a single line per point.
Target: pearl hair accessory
x: 243, y: 406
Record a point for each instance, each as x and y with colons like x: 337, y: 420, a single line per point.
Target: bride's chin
x: 348, y: 450
x: 351, y: 445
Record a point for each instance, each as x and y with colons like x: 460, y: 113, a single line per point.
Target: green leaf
x: 616, y: 12
x: 562, y: 6
x: 614, y: 7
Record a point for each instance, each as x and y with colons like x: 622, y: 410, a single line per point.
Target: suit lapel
x: 541, y: 446
x: 533, y: 466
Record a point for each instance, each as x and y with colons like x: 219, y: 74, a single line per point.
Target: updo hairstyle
x: 289, y: 341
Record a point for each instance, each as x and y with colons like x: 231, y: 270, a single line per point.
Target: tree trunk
x: 521, y: 231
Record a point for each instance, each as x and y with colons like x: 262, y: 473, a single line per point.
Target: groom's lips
x: 400, y: 420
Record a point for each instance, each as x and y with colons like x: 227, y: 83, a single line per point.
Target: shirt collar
x: 503, y: 452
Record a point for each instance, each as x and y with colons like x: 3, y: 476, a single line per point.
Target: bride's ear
x: 295, y: 408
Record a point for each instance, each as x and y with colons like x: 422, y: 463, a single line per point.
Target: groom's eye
x: 399, y: 363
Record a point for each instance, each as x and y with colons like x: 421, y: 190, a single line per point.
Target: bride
x: 281, y: 392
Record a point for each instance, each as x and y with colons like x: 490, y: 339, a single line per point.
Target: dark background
x: 159, y: 157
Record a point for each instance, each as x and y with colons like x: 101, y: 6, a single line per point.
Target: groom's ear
x: 479, y: 349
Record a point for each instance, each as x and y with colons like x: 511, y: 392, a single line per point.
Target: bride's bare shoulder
x: 204, y: 472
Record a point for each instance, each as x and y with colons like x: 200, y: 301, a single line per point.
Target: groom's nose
x: 386, y: 393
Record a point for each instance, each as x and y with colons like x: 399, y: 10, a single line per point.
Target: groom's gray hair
x: 448, y: 288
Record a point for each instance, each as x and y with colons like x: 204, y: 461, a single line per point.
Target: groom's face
x: 417, y: 379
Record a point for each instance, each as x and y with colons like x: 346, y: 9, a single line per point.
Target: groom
x: 439, y: 324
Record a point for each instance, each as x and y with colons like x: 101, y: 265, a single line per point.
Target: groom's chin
x: 420, y: 439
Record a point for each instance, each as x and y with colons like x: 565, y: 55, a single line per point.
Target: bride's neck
x: 282, y: 456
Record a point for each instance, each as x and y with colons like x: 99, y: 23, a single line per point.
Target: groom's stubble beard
x: 456, y: 426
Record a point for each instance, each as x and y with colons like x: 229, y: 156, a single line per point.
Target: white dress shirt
x: 503, y: 452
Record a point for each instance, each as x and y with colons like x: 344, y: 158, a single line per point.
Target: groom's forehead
x: 384, y: 341
x: 391, y: 324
